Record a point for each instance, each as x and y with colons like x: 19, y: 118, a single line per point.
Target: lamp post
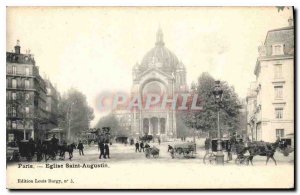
x: 69, y: 117
x: 218, y: 95
x: 194, y: 131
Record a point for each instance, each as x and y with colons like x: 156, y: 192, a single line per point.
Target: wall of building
x: 269, y: 101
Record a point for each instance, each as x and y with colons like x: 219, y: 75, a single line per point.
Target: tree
x: 110, y: 121
x: 74, y: 113
x: 206, y: 119
x: 182, y: 128
x: 281, y: 8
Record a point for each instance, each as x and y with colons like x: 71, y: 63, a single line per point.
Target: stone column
x: 133, y: 123
x: 167, y: 125
x: 141, y: 124
x: 32, y: 134
x: 158, y: 130
x: 174, y: 130
x: 149, y: 127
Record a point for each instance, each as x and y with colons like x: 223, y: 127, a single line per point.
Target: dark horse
x: 263, y: 149
x: 48, y: 150
x: 67, y: 148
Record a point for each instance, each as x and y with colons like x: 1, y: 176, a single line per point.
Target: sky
x: 94, y: 49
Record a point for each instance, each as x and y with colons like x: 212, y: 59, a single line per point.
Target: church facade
x: 160, y: 73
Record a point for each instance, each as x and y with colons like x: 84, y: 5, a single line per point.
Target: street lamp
x: 218, y: 95
x: 70, y: 115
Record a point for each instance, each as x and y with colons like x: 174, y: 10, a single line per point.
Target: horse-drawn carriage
x: 151, y: 151
x: 49, y: 150
x: 286, y: 146
x: 229, y: 146
x: 210, y: 157
x: 12, y: 152
x: 146, y: 138
x: 186, y: 150
x: 88, y: 138
x: 26, y: 150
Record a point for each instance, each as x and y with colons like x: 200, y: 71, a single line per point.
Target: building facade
x: 161, y: 73
x: 52, y: 100
x: 271, y: 101
x: 26, y: 97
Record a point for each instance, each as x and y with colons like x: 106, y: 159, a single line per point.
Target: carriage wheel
x: 209, y: 158
x: 242, y: 161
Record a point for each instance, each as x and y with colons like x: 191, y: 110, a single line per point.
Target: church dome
x: 160, y: 56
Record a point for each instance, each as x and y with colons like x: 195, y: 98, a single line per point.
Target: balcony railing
x: 20, y: 86
x: 18, y: 73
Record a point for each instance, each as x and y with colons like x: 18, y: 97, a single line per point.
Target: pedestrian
x: 228, y: 149
x: 170, y: 148
x: 80, y: 148
x: 39, y: 150
x: 207, y: 145
x: 106, y: 150
x: 101, y: 146
x: 142, y: 146
x: 158, y: 141
x: 54, y: 143
x: 137, y: 147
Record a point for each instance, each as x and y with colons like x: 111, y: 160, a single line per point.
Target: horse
x: 48, y: 150
x: 263, y: 149
x: 67, y: 148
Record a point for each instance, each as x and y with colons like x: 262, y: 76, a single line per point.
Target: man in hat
x: 137, y: 147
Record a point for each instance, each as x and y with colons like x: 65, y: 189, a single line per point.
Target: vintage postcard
x: 150, y: 97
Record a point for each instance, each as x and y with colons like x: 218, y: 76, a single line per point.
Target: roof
x: 161, y: 57
x: 161, y: 54
x: 283, y: 36
x: 283, y: 28
x: 19, y: 58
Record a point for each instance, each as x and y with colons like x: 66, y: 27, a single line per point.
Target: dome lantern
x: 159, y: 38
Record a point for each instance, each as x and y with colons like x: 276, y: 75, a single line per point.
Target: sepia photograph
x: 150, y: 97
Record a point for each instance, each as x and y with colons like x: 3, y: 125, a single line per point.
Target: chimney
x: 18, y: 47
x: 291, y: 21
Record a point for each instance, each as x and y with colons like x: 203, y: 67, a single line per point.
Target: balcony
x: 19, y: 73
x: 20, y: 86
